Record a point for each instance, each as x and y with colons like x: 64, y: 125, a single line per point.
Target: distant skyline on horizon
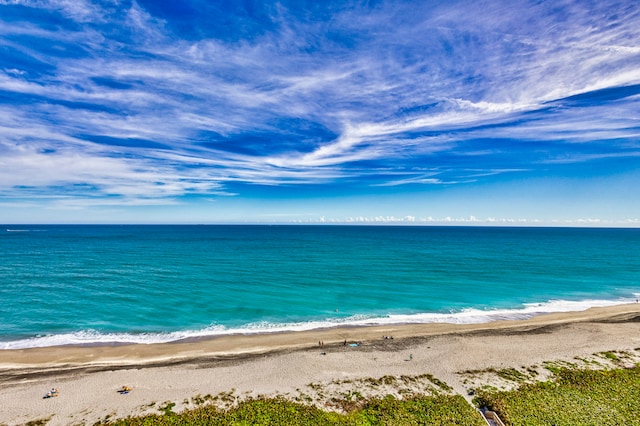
x: 345, y: 112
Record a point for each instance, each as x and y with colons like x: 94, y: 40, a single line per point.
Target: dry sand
x: 88, y: 377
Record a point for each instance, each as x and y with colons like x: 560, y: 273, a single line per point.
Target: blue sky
x: 407, y: 112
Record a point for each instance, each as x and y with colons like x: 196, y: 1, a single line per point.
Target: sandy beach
x: 88, y: 377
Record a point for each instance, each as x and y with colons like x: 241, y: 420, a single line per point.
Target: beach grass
x: 573, y: 396
x: 427, y: 410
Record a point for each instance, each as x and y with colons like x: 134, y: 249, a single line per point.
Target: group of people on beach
x: 55, y: 392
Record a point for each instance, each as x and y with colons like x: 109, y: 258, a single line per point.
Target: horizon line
x: 350, y: 224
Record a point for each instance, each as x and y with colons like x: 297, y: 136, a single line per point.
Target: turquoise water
x: 102, y: 284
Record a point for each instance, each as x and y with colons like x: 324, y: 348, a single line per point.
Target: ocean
x: 103, y: 284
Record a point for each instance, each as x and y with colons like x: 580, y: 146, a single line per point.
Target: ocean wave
x: 465, y: 316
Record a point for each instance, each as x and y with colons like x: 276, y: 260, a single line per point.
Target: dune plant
x: 427, y: 410
x: 572, y: 397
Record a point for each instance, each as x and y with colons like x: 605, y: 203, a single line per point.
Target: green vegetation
x: 610, y: 355
x: 167, y: 407
x: 589, y: 394
x: 513, y: 375
x: 572, y: 397
x: 428, y: 410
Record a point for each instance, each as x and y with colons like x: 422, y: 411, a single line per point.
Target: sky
x: 365, y: 112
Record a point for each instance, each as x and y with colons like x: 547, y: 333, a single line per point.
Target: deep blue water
x: 88, y: 284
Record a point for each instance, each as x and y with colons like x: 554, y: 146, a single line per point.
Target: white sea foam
x: 465, y: 316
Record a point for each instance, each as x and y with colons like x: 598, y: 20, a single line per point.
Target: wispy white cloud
x: 395, y: 86
x: 78, y: 10
x: 581, y: 158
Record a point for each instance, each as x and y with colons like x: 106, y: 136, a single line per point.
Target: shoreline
x: 232, y: 345
x: 286, y: 363
x: 83, y: 338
